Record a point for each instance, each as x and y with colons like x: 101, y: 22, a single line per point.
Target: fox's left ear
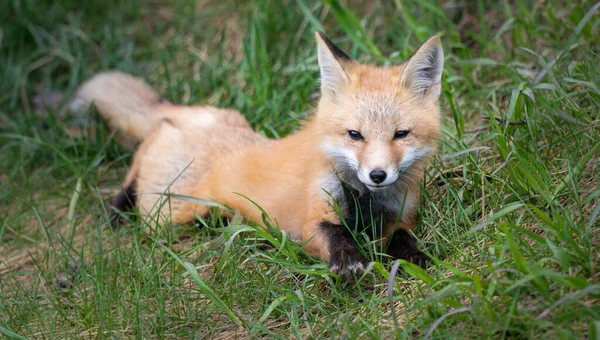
x: 423, y: 71
x: 331, y: 62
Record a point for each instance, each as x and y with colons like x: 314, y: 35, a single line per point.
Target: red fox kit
x: 365, y: 148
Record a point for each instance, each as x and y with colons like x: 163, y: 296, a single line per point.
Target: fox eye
x: 401, y: 134
x: 355, y: 135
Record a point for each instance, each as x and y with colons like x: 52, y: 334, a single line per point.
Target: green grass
x: 510, y: 208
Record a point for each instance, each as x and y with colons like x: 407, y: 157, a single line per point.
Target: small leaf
x: 417, y: 272
x: 202, y: 201
x: 272, y: 307
x: 10, y: 334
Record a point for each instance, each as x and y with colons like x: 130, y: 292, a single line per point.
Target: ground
x: 510, y: 207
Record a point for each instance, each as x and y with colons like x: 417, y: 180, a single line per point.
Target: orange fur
x: 213, y: 153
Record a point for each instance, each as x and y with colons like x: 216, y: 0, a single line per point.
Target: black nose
x: 377, y: 176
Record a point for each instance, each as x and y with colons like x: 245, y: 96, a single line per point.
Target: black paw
x: 403, y: 246
x: 346, y: 259
x: 348, y: 264
x: 418, y: 257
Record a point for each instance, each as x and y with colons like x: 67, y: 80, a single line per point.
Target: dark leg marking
x: 346, y: 259
x: 123, y: 203
x: 403, y: 246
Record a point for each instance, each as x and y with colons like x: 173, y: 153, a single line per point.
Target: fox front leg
x: 333, y: 243
x: 345, y: 257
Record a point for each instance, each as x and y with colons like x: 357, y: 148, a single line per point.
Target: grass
x: 510, y: 208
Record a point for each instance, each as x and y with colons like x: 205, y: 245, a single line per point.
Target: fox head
x: 379, y: 125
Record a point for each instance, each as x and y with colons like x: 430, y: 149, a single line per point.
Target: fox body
x: 364, y: 150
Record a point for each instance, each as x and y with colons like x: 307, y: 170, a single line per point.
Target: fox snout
x: 378, y: 177
x: 377, y: 165
x: 377, y: 173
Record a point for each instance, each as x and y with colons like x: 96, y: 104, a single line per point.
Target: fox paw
x: 420, y: 259
x: 349, y: 264
x: 403, y: 246
x: 345, y: 257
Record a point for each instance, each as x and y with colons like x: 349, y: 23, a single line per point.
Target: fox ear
x: 331, y: 63
x: 423, y: 71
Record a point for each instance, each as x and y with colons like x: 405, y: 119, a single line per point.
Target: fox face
x: 380, y: 125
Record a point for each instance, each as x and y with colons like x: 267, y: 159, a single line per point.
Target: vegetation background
x: 510, y: 205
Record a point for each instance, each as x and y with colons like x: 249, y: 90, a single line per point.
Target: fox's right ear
x: 423, y: 71
x: 331, y: 63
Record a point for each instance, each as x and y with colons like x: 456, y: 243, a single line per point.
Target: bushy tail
x: 127, y: 102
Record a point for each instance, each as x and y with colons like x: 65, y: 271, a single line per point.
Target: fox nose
x: 378, y: 176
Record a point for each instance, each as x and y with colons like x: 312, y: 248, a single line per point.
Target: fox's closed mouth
x: 378, y: 186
